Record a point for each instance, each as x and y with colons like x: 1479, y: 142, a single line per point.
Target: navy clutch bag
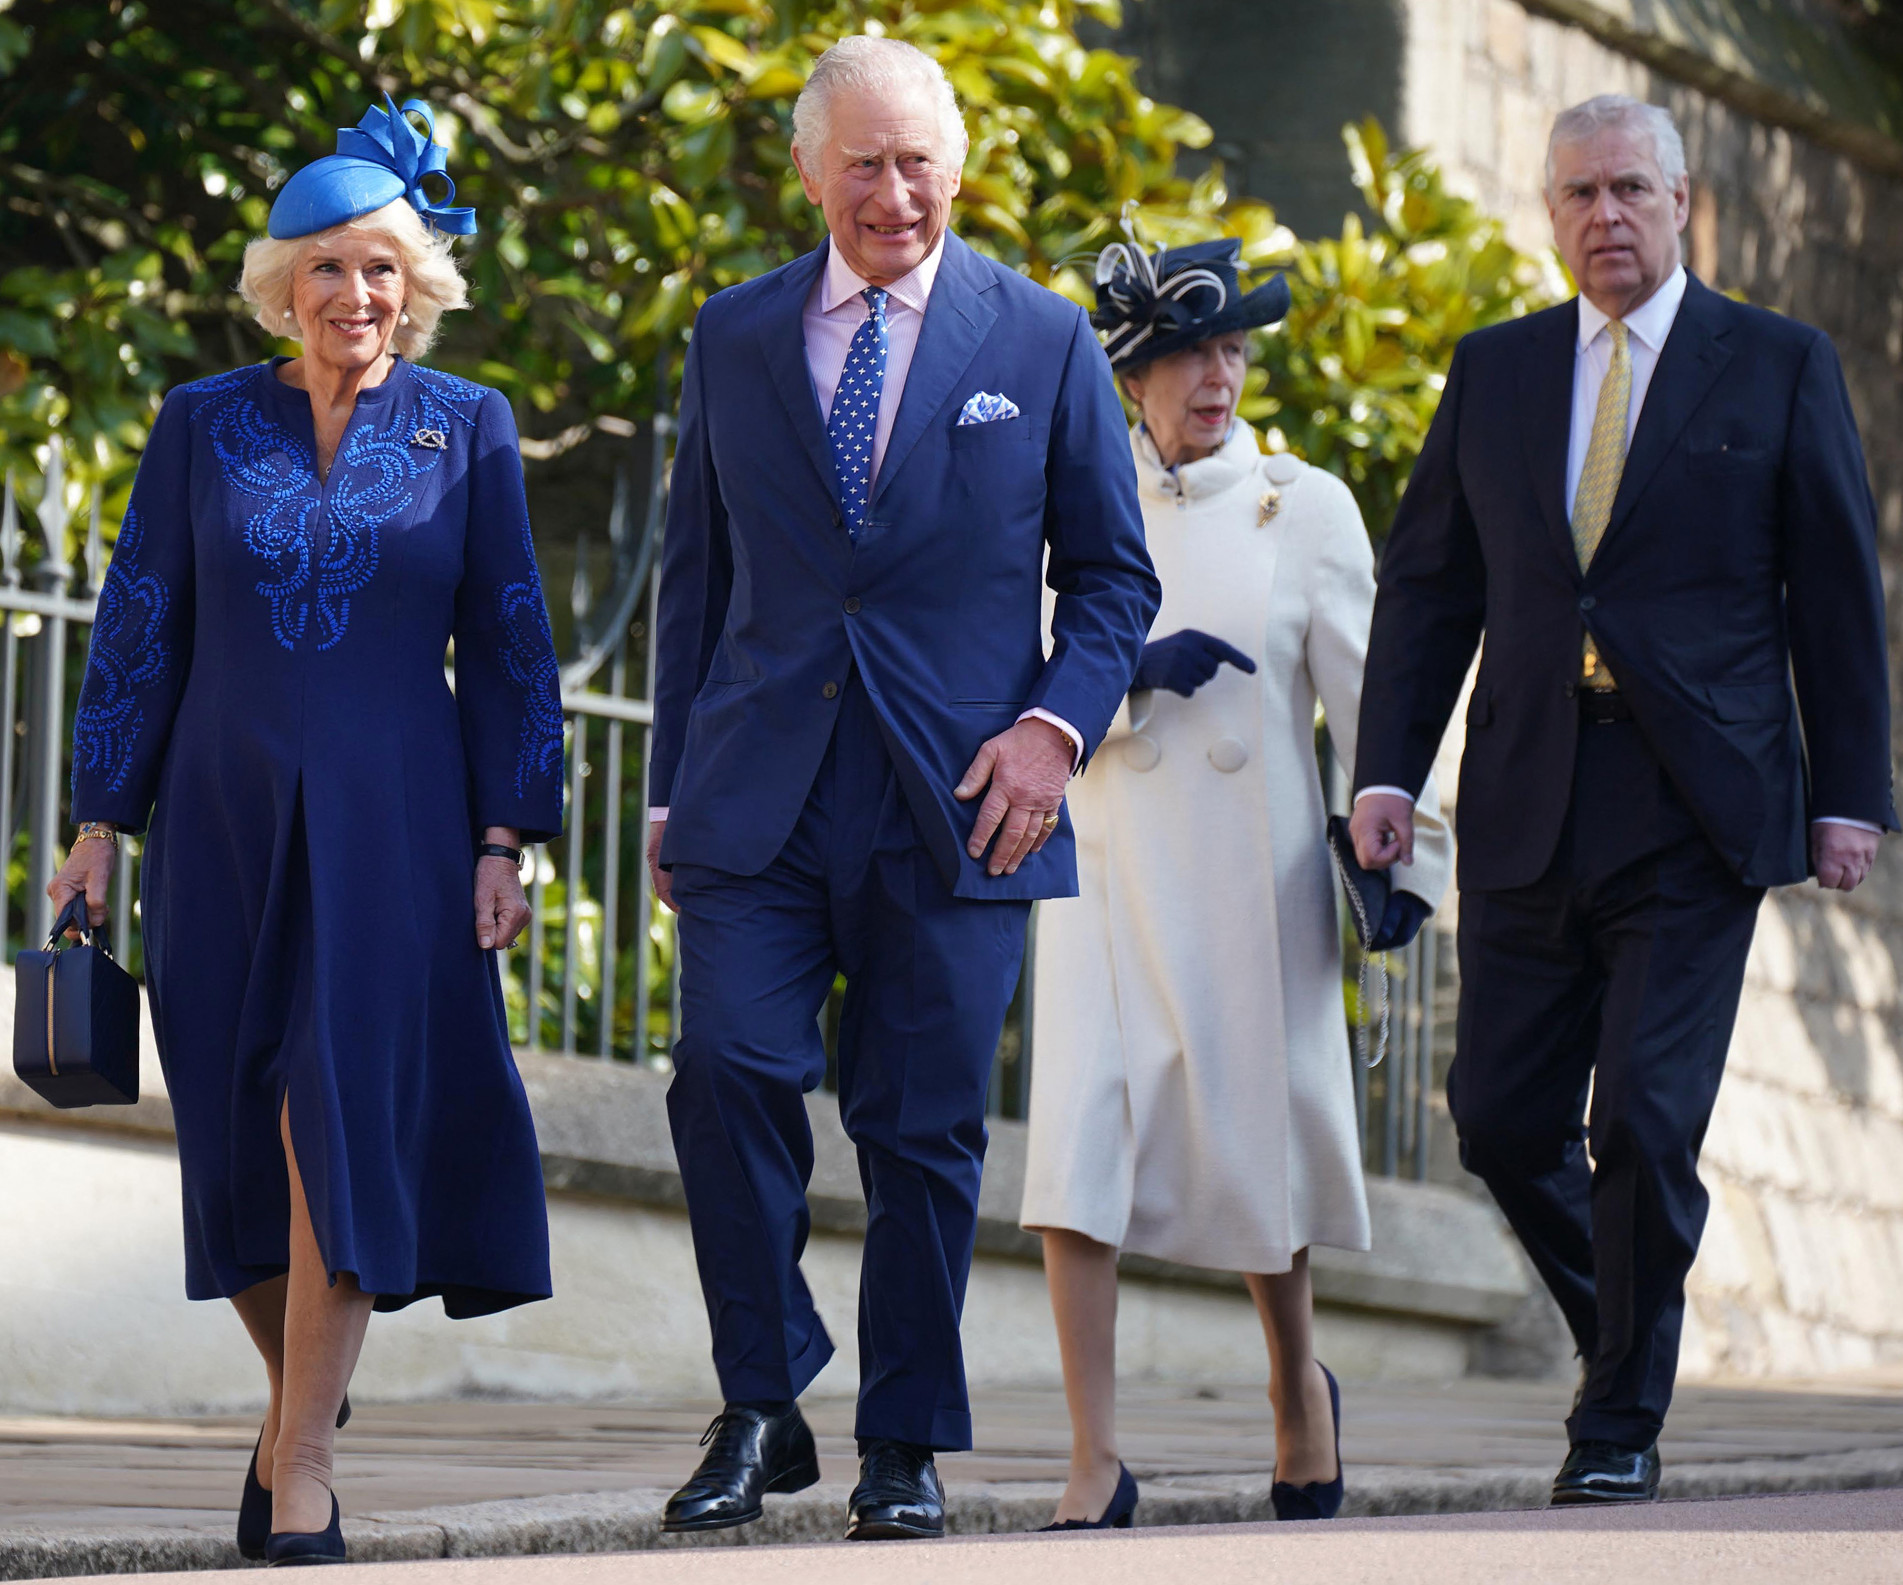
x: 1367, y: 889
x: 76, y: 1019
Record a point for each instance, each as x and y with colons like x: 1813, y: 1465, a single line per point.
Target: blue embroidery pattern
x: 127, y: 656
x: 312, y: 576
x: 528, y: 658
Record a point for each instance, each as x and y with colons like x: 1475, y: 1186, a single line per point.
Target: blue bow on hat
x: 379, y: 160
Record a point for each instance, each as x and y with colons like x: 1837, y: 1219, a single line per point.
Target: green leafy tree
x: 627, y: 160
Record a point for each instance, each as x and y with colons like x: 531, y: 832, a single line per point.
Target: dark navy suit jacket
x: 1740, y: 558
x: 767, y: 604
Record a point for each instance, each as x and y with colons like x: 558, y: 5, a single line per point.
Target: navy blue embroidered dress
x: 266, y: 684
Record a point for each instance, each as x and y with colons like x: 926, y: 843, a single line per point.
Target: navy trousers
x: 1618, y: 973
x: 928, y: 979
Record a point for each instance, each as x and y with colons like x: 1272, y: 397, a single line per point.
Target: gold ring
x: 1050, y: 821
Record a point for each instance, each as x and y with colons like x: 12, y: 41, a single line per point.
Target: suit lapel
x: 1546, y: 420
x: 957, y: 318
x: 783, y: 344
x: 1691, y: 360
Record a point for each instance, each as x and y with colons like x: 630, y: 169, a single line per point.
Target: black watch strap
x: 496, y: 850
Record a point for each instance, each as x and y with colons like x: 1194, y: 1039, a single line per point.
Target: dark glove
x: 1402, y: 922
x: 1184, y: 661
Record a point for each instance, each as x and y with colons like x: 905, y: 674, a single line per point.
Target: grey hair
x: 1620, y: 110
x: 864, y: 64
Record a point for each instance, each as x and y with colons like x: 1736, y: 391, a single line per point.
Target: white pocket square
x: 985, y: 408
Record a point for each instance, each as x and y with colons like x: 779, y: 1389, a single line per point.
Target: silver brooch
x: 1268, y: 506
x: 431, y: 440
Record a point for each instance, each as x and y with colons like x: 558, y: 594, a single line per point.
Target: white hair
x: 1620, y: 110
x: 864, y: 64
x: 432, y: 283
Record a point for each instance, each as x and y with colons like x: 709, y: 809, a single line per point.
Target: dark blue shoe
x: 254, y: 1511
x: 301, y: 1549
x: 1119, y: 1514
x: 1319, y: 1499
x: 254, y: 1507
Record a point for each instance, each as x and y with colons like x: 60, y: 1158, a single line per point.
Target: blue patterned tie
x: 855, y: 415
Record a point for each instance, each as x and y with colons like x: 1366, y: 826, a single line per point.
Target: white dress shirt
x: 1649, y: 324
x: 835, y: 309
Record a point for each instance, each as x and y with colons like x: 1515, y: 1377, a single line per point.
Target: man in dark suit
x: 1653, y: 502
x: 860, y: 752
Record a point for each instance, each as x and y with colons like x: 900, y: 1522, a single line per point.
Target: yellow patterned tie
x: 1599, y: 482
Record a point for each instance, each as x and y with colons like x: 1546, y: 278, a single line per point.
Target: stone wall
x: 1802, y: 1267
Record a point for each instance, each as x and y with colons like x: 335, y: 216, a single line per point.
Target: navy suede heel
x: 302, y: 1549
x: 1318, y: 1499
x: 1119, y: 1513
x: 254, y: 1507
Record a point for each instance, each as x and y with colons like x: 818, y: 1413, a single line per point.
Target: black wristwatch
x: 497, y: 850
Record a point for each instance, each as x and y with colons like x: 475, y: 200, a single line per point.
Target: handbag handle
x: 80, y: 920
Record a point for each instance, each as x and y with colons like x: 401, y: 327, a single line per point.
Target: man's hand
x: 1382, y: 826
x: 1026, y: 768
x: 1842, y: 855
x: 662, y: 879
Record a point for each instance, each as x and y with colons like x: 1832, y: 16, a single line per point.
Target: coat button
x: 1588, y: 603
x: 830, y: 691
x: 852, y: 605
x: 1228, y: 754
x: 1141, y: 753
x: 838, y: 520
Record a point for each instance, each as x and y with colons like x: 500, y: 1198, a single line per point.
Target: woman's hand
x: 88, y: 868
x: 501, y: 908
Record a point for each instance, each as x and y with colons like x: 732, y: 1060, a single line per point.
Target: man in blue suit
x: 859, y: 758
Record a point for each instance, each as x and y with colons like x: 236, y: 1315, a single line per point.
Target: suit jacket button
x: 838, y: 520
x: 1588, y: 603
x: 852, y: 605
x: 1572, y: 690
x: 830, y: 691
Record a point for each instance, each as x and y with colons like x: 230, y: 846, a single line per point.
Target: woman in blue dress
x: 330, y: 831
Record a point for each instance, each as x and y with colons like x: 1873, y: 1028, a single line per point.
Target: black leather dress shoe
x: 1596, y: 1472
x: 898, y: 1496
x: 749, y: 1453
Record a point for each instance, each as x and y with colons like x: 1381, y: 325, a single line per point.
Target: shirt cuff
x: 657, y: 812
x: 1037, y: 713
x: 1390, y: 792
x: 1839, y: 820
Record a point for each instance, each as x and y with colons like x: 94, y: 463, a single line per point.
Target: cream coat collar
x: 1237, y: 462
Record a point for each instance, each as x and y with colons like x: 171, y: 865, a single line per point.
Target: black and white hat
x: 1152, y: 304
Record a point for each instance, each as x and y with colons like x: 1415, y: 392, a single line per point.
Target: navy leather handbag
x: 76, y: 1018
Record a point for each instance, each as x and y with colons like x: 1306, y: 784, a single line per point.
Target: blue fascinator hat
x: 379, y: 160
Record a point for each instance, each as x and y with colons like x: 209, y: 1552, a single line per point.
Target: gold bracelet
x: 97, y: 830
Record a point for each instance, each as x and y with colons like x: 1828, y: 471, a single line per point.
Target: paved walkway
x: 478, y: 1478
x: 1822, y: 1540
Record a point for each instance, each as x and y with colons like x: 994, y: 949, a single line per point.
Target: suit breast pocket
x: 1000, y: 463
x: 1730, y: 459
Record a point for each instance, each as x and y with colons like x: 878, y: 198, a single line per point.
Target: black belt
x: 1602, y: 706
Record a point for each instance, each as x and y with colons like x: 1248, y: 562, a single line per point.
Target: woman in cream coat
x: 1191, y: 1095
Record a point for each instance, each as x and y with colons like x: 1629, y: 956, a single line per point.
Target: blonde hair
x: 432, y: 283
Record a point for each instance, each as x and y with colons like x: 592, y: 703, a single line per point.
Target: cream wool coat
x: 1191, y: 1090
